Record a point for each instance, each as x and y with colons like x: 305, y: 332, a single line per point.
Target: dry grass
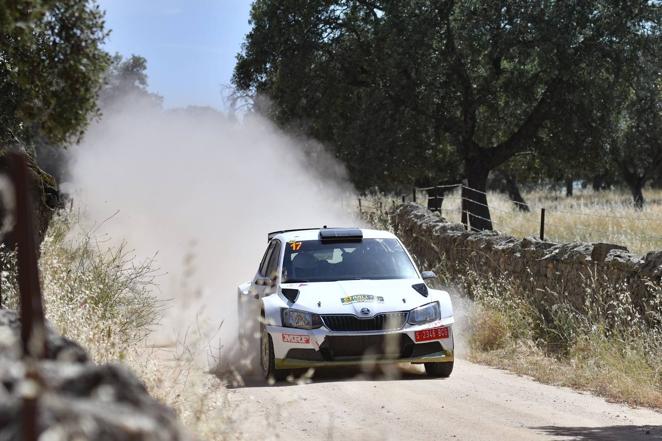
x: 100, y: 296
x: 586, y: 217
x: 607, y: 216
x: 175, y: 377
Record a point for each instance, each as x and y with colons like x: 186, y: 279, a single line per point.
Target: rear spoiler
x: 327, y: 234
x: 274, y: 233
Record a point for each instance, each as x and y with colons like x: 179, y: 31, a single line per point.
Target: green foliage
x: 635, y: 145
x: 126, y: 79
x: 51, y: 68
x: 416, y: 91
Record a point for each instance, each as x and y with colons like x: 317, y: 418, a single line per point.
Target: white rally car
x: 339, y: 296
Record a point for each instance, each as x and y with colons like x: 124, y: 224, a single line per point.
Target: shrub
x: 94, y: 293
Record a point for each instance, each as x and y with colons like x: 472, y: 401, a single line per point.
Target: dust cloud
x: 199, y: 190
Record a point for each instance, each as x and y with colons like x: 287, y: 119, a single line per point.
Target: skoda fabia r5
x: 341, y: 296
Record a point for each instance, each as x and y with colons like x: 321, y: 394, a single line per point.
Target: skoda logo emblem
x: 365, y: 311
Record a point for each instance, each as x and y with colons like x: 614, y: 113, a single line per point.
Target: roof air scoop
x: 341, y: 235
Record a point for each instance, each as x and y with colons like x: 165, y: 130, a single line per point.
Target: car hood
x: 352, y: 296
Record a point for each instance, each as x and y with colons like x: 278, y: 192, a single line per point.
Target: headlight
x: 425, y: 314
x: 293, y: 318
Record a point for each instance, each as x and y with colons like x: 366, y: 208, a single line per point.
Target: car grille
x: 380, y: 322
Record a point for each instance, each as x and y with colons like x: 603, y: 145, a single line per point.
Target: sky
x: 190, y: 45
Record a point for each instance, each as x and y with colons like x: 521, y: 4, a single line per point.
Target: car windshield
x: 314, y: 261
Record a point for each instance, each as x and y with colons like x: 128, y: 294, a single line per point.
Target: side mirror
x: 264, y: 281
x: 426, y: 275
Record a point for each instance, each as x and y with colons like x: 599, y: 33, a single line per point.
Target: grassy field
x: 607, y: 216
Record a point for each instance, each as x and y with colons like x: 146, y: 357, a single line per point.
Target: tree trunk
x: 514, y: 193
x: 474, y: 196
x: 636, y: 184
x: 598, y: 183
x: 569, y: 187
x: 636, y: 188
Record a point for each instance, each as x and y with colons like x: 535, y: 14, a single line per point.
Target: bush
x: 489, y: 330
x: 93, y: 293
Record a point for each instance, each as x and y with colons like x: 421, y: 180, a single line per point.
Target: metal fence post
x: 413, y: 194
x: 360, y: 210
x: 542, y: 224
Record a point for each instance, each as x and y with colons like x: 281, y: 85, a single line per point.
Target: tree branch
x: 521, y: 139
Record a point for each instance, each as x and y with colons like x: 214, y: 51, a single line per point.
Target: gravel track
x: 475, y: 403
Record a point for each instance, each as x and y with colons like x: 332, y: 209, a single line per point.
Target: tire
x: 267, y: 359
x: 439, y: 370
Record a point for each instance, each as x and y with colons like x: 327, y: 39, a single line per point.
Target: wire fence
x: 554, y: 219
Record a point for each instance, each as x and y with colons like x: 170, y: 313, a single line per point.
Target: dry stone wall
x: 79, y: 400
x: 538, y: 267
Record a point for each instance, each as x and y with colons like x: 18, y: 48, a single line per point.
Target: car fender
x: 271, y: 306
x: 445, y: 304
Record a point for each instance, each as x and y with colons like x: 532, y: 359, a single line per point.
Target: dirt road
x: 476, y: 403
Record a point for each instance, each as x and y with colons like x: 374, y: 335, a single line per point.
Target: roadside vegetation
x: 101, y: 296
x: 610, y: 347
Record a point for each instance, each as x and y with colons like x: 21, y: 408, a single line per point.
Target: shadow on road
x: 609, y: 433
x: 344, y: 373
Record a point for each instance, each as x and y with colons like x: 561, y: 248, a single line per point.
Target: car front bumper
x: 300, y: 348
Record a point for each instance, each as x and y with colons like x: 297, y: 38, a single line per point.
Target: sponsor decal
x: 361, y: 298
x: 296, y: 338
x: 432, y: 334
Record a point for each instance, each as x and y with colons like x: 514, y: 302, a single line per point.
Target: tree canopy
x: 51, y: 68
x: 422, y: 90
x: 126, y: 79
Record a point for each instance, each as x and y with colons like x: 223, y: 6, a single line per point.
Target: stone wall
x: 538, y: 267
x: 77, y: 399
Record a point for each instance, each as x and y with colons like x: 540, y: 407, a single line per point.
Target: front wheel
x: 439, y: 370
x: 267, y: 358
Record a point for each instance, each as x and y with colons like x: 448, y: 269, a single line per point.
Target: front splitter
x: 290, y: 363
